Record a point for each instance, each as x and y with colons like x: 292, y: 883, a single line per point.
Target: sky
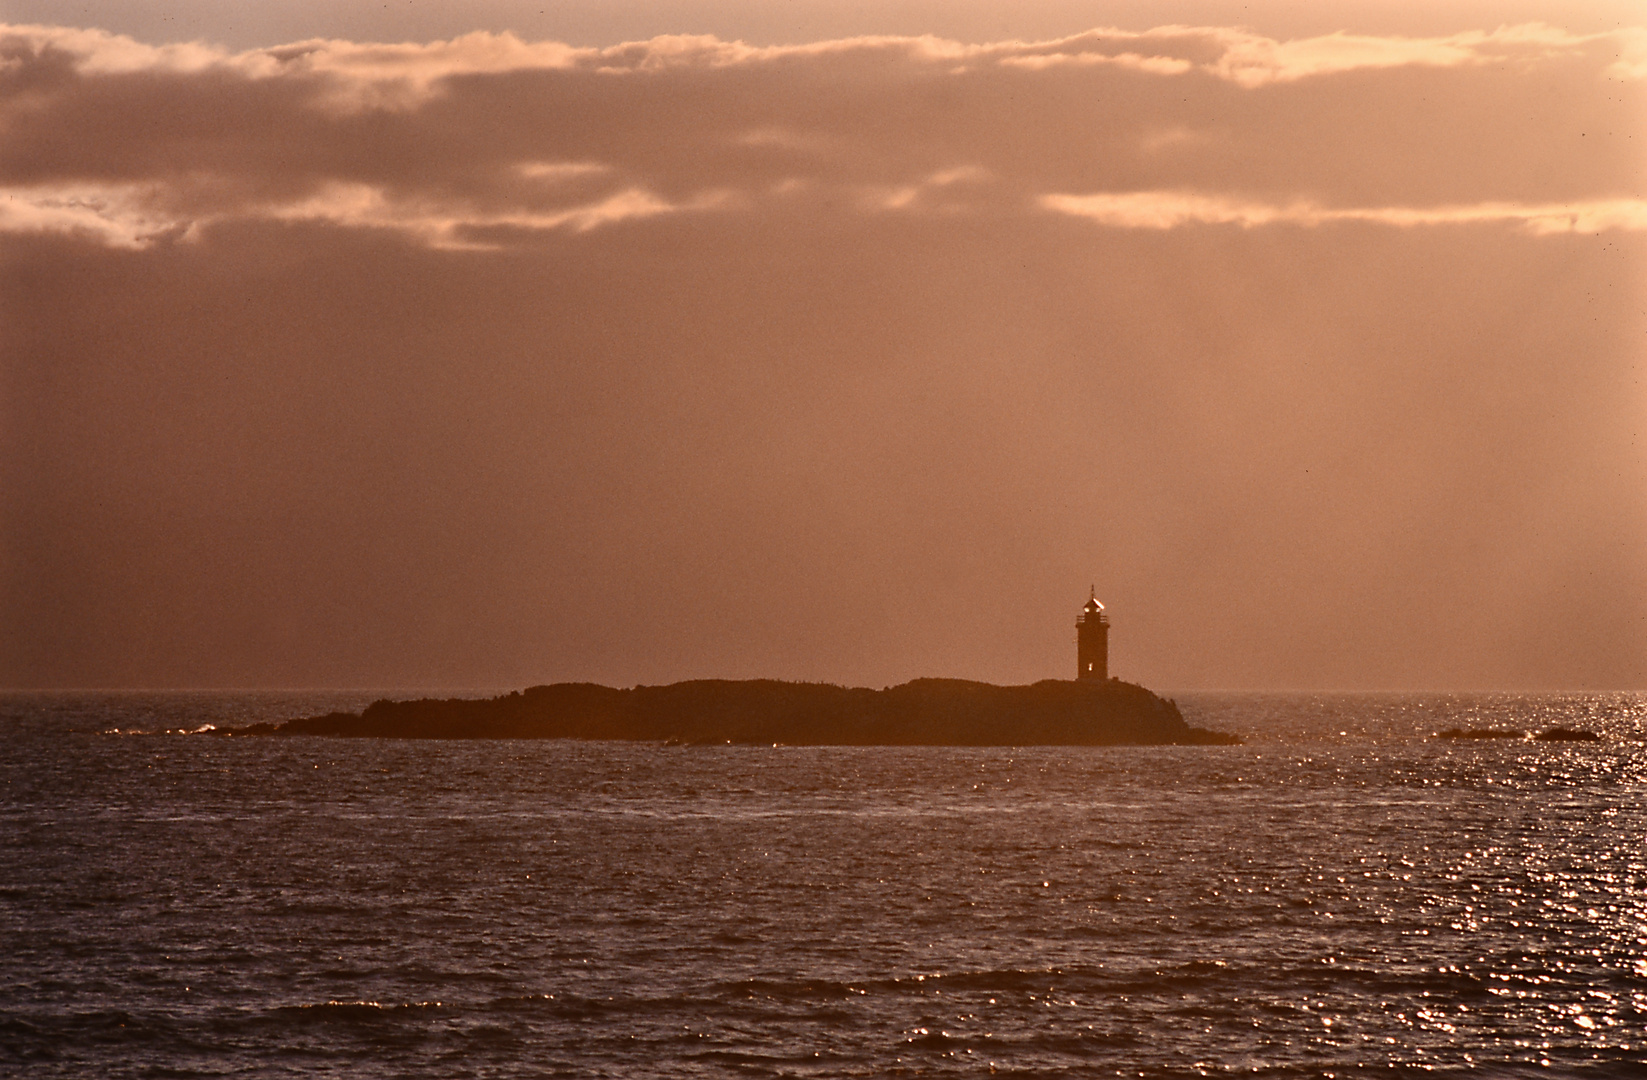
x: 496, y: 344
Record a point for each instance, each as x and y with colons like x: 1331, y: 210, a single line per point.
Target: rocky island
x: 925, y: 712
x: 1091, y: 710
x: 1555, y: 734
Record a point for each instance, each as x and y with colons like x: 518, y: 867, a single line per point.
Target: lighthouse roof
x: 1093, y: 605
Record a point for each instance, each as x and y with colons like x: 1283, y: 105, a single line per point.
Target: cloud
x: 114, y: 215
x: 128, y: 217
x: 1251, y: 60
x: 453, y: 225
x: 1240, y: 56
x: 98, y: 52
x: 1157, y: 65
x: 126, y: 144
x: 1173, y: 209
x: 930, y: 192
x: 554, y: 171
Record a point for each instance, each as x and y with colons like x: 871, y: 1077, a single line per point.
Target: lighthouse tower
x: 1092, y: 641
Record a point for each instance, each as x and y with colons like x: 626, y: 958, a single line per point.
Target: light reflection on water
x: 1299, y: 905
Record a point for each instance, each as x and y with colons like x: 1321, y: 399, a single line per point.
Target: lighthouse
x: 1092, y: 641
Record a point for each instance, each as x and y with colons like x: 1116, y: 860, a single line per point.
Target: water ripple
x: 1309, y: 904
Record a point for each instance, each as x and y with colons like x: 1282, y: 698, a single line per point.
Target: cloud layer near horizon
x: 493, y: 361
x: 486, y: 138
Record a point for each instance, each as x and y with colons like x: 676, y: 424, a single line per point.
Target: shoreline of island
x: 924, y: 712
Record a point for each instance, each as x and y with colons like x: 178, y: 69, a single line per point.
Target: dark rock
x: 1555, y: 734
x: 926, y: 712
x: 1564, y: 734
x: 253, y: 729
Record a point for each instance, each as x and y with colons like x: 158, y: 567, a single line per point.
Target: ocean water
x: 1340, y: 894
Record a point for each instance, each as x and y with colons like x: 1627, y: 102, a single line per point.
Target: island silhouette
x: 925, y: 712
x: 1093, y: 709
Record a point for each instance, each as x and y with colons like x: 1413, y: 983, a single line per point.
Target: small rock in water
x: 1566, y: 734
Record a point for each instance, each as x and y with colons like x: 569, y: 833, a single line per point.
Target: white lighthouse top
x: 1092, y: 602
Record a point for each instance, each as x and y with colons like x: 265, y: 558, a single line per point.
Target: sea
x: 1340, y: 895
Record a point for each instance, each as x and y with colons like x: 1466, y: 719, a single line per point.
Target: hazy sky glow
x: 500, y: 359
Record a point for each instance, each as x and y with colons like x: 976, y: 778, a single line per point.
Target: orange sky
x: 518, y: 352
